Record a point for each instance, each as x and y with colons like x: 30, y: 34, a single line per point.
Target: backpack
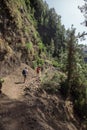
x: 38, y: 69
x: 23, y: 72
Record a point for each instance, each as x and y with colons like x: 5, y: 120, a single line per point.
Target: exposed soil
x: 24, y: 106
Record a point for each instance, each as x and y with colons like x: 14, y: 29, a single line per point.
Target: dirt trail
x: 13, y: 108
x: 13, y: 85
x: 25, y: 107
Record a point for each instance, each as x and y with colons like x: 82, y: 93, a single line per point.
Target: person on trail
x: 38, y: 72
x: 25, y: 73
x: 1, y: 81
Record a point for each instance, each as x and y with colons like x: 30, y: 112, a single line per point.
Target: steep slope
x: 16, y: 31
x: 28, y: 107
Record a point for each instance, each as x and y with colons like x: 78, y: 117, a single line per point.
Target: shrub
x: 51, y: 87
x: 1, y: 80
x: 41, y: 46
x: 34, y: 64
x: 78, y: 92
x: 29, y: 46
x: 38, y: 62
x: 80, y: 107
x: 64, y: 88
x: 55, y: 63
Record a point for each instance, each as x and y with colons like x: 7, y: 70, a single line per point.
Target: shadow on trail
x: 3, y: 97
x: 19, y: 82
x: 15, y: 115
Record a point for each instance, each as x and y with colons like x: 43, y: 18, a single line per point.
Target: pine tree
x: 71, y: 58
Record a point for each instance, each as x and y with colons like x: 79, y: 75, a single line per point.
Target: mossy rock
x: 1, y: 80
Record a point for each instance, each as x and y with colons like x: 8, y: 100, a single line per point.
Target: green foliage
x: 59, y: 77
x: 71, y: 56
x: 38, y: 62
x: 55, y: 63
x: 81, y: 108
x: 62, y: 60
x: 49, y: 25
x: 1, y: 80
x: 29, y: 45
x: 75, y: 84
x: 79, y: 95
x: 83, y: 10
x: 34, y: 64
x: 41, y: 45
x: 64, y: 88
x: 53, y: 85
x: 27, y: 2
x: 50, y: 85
x: 54, y: 36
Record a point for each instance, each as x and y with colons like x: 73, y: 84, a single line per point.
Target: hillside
x: 28, y: 107
x: 16, y: 31
x: 32, y: 35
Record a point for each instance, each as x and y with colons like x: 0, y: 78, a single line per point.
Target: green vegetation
x: 55, y: 63
x: 51, y: 82
x: 1, y: 82
x: 38, y: 62
x: 46, y: 39
x: 29, y: 46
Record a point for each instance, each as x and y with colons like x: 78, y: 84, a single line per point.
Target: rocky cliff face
x: 16, y: 30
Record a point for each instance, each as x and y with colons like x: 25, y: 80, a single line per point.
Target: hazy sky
x: 70, y: 14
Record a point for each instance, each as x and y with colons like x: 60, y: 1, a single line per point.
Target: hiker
x: 25, y: 73
x: 38, y: 71
x: 1, y: 81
